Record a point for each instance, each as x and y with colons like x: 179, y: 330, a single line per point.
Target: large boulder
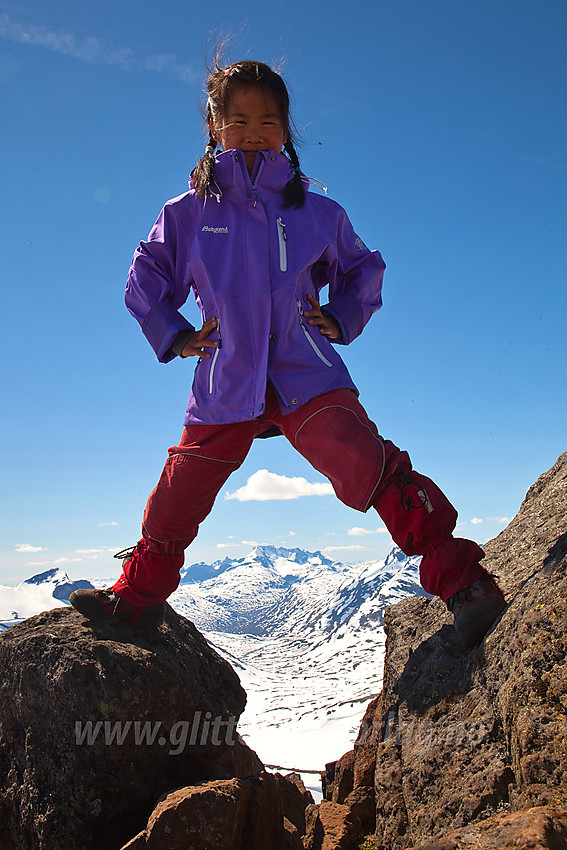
x: 97, y: 723
x: 457, y: 736
x: 231, y: 814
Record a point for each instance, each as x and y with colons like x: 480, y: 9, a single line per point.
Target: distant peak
x: 395, y: 555
x: 54, y: 574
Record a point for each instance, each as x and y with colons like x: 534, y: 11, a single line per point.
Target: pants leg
x: 421, y: 521
x: 334, y: 433
x: 193, y: 475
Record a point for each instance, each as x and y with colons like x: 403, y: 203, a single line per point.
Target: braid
x: 293, y: 193
x: 204, y: 172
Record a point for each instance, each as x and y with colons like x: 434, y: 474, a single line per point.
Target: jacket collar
x: 270, y: 174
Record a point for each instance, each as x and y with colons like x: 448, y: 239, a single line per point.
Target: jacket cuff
x: 347, y: 312
x: 181, y: 341
x: 161, y: 328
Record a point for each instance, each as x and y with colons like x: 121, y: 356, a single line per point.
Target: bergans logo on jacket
x: 255, y: 282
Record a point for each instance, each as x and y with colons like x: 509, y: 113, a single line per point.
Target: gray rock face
x: 79, y: 705
x: 455, y: 736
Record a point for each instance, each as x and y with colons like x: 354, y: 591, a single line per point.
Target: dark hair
x: 221, y: 84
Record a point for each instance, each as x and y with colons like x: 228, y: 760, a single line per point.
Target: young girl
x: 256, y: 247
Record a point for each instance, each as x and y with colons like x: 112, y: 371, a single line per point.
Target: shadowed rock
x: 455, y: 736
x: 78, y: 705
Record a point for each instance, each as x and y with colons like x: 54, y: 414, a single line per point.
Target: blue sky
x: 440, y: 126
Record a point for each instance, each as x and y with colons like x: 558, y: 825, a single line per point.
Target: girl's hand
x: 198, y: 342
x: 326, y: 324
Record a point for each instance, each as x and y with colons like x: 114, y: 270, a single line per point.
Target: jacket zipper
x: 311, y: 341
x: 254, y: 185
x: 282, y: 238
x: 278, y: 390
x: 257, y: 180
x: 214, y: 360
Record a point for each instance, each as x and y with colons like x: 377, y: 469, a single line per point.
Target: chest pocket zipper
x: 311, y: 341
x: 214, y: 360
x: 282, y: 244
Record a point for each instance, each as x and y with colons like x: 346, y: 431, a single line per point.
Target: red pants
x: 336, y: 436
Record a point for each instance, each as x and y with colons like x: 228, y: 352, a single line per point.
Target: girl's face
x: 252, y: 123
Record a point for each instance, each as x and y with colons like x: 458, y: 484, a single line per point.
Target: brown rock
x: 541, y: 828
x: 295, y: 798
x: 338, y: 778
x: 332, y: 826
x: 455, y: 735
x: 59, y: 674
x: 296, y: 779
x: 230, y: 814
x: 292, y: 836
x: 464, y: 733
x: 369, y: 735
x: 350, y: 780
x: 313, y: 838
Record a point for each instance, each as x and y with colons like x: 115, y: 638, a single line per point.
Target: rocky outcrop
x: 111, y: 739
x: 455, y: 737
x: 97, y: 723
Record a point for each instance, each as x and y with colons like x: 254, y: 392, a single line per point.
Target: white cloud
x: 89, y: 551
x: 110, y: 524
x: 356, y: 547
x: 476, y: 520
x: 501, y: 520
x: 360, y: 532
x: 89, y: 49
x: 264, y: 486
x: 53, y: 562
x: 242, y: 543
x: 169, y: 64
x: 291, y: 533
x: 27, y: 547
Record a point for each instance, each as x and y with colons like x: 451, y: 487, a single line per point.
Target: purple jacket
x: 251, y: 262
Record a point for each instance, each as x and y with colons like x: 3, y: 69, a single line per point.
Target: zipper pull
x: 282, y: 239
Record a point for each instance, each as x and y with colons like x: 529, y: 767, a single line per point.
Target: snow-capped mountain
x: 38, y: 593
x: 304, y: 633
x: 257, y: 593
